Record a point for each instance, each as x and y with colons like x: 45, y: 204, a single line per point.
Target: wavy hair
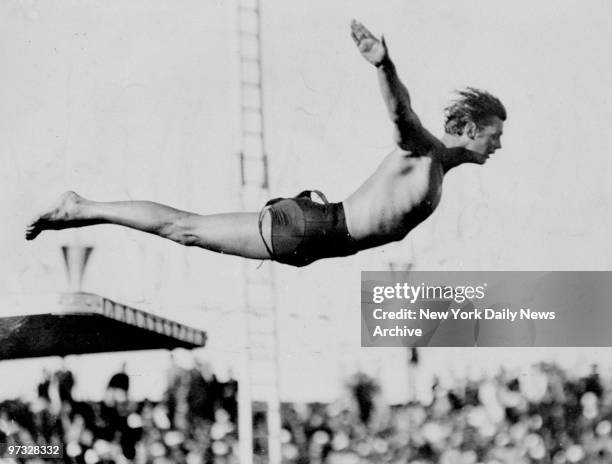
x: 472, y: 105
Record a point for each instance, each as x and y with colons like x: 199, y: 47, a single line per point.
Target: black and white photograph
x: 265, y: 231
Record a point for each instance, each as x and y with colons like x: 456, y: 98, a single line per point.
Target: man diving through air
x: 402, y: 192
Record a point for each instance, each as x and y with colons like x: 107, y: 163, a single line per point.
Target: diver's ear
x: 471, y: 130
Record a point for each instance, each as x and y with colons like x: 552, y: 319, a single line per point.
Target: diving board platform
x: 80, y: 323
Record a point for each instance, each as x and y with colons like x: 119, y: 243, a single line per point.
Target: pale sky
x: 139, y: 100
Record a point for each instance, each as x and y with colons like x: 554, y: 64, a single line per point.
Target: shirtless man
x: 402, y: 192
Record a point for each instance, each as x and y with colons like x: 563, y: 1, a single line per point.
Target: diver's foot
x: 62, y: 215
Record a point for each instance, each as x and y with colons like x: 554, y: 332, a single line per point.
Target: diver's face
x: 486, y: 139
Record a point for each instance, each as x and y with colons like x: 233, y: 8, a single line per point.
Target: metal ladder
x: 260, y: 377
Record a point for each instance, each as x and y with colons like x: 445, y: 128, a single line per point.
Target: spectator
x: 119, y: 385
x: 65, y: 383
x: 43, y: 386
x: 229, y: 397
x: 120, y: 380
x: 364, y: 388
x: 203, y: 396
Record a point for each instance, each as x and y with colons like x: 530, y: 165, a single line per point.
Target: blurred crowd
x: 545, y: 415
x: 194, y: 423
x: 542, y: 416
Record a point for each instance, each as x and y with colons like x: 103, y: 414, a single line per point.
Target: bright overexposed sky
x: 138, y: 100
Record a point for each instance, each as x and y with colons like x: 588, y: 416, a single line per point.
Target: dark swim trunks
x: 304, y: 231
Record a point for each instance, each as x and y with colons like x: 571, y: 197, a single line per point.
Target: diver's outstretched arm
x: 409, y: 132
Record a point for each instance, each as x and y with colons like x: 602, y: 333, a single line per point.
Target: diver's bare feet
x: 62, y: 215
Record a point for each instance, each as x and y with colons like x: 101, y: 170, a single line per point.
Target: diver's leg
x: 231, y: 233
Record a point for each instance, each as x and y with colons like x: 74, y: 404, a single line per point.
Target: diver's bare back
x: 402, y: 192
